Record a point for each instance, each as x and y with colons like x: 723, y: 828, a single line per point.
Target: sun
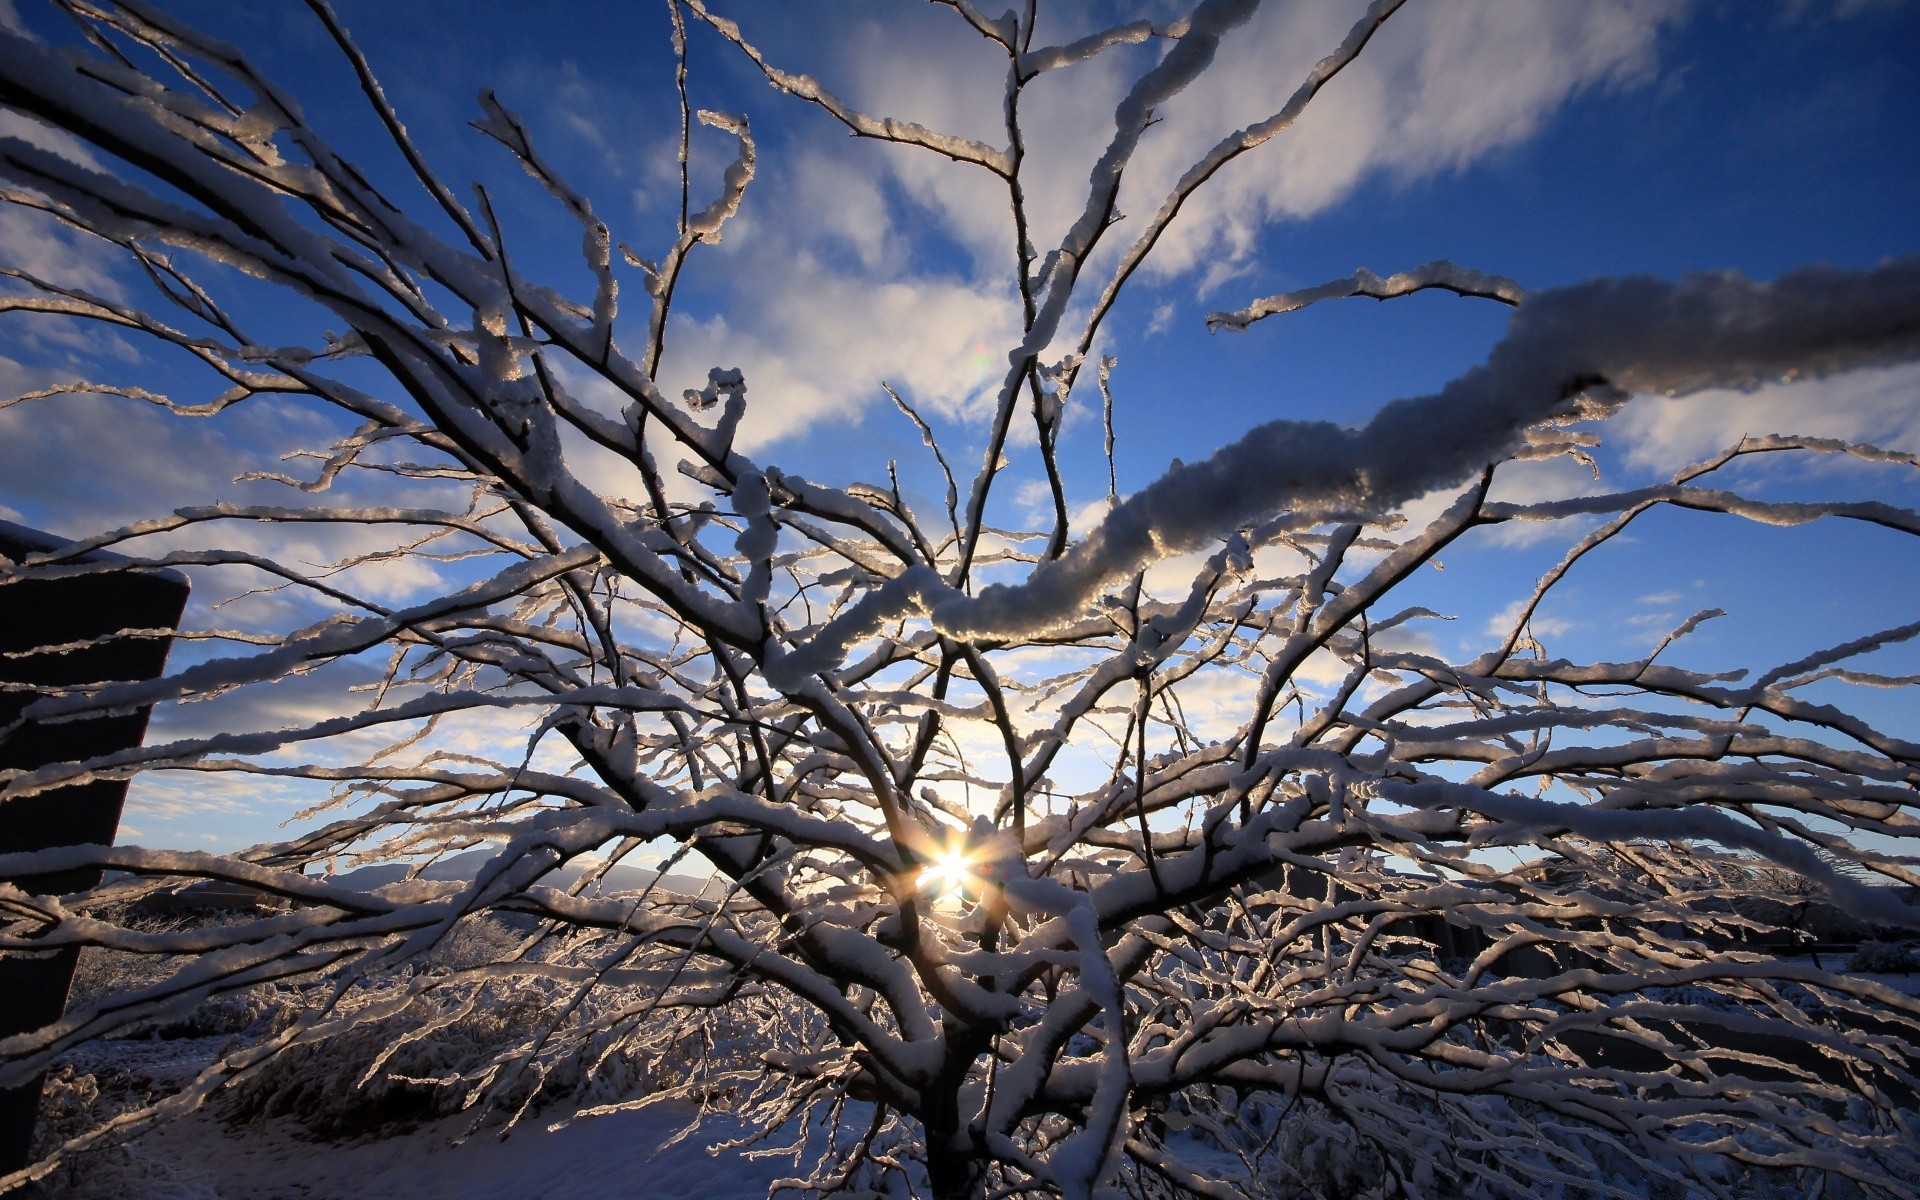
x: 947, y: 873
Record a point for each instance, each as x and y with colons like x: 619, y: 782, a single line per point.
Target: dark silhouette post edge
x: 57, y: 631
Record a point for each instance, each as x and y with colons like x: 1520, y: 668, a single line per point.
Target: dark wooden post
x: 37, y: 617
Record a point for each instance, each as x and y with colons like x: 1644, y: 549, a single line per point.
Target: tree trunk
x: 953, y: 1173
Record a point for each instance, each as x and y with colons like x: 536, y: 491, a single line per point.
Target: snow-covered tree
x: 982, y: 893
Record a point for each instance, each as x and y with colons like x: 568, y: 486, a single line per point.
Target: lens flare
x: 947, y: 872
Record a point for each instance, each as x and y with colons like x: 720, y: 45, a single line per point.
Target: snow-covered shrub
x: 389, y: 1074
x: 1694, y: 996
x: 978, y: 870
x: 1881, y: 958
x: 124, y: 1173
x: 427, y: 1038
x: 1309, y: 1149
x: 1287, y: 1150
x: 101, y: 975
x: 81, y: 1095
x: 68, y: 1107
x: 470, y: 944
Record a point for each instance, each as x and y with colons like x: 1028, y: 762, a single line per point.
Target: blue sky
x: 1550, y: 142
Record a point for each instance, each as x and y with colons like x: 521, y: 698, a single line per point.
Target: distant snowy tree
x: 1003, y: 971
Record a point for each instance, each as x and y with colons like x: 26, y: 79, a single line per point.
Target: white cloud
x: 1217, y: 701
x: 829, y: 300
x: 1172, y: 578
x: 845, y: 208
x: 1322, y: 667
x: 174, y: 795
x: 46, y: 137
x: 35, y: 243
x: 307, y: 547
x: 933, y: 72
x: 1842, y: 8
x: 1537, y: 482
x: 40, y: 245
x: 102, y: 461
x: 1034, y: 495
x: 1501, y: 623
x: 816, y: 338
x: 83, y: 464
x: 1879, y: 406
x: 1438, y: 87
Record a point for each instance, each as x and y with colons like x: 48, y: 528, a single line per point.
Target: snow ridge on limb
x: 1439, y: 273
x: 1052, y: 58
x: 1571, y: 353
x: 707, y: 222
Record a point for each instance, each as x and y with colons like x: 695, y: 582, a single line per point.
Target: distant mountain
x: 462, y: 868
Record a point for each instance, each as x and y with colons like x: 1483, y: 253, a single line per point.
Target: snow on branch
x: 1439, y: 274
x: 1132, y: 33
x: 1571, y: 353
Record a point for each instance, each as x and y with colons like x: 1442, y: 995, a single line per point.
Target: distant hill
x: 462, y: 868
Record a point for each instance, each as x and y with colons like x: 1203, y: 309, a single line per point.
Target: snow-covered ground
x: 1908, y: 983
x: 654, y: 1152
x: 621, y: 1155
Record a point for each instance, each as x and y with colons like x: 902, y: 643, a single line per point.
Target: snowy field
x: 629, y: 1155
x: 620, y: 1155
x: 654, y: 1151
x: 663, y: 1151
